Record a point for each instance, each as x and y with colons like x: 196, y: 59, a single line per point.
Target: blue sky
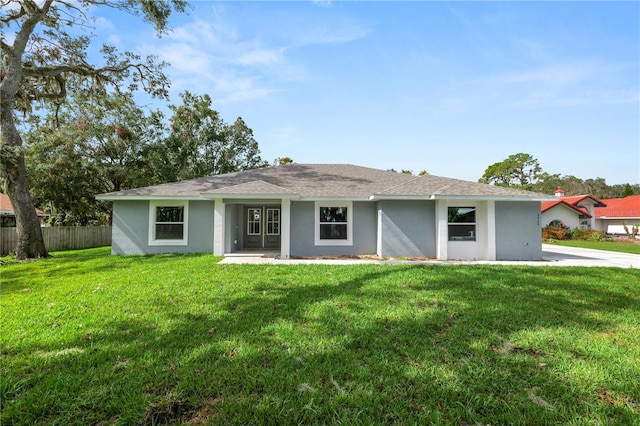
x: 447, y: 87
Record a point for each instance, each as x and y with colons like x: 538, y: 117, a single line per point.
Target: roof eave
x: 267, y: 196
x: 568, y: 206
x: 383, y: 197
x: 491, y: 197
x: 112, y: 197
x: 617, y: 217
x: 335, y: 198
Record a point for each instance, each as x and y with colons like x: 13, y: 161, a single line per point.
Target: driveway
x: 573, y: 256
x: 552, y: 256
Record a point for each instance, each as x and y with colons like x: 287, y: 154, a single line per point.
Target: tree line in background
x: 523, y: 171
x: 102, y: 141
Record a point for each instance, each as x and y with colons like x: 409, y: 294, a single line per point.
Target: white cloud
x: 548, y: 98
x: 103, y: 24
x: 557, y: 74
x: 213, y: 55
x: 334, y: 33
x: 260, y: 56
x: 323, y: 3
x: 567, y: 84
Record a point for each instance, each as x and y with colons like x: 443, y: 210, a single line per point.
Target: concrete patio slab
x: 552, y: 256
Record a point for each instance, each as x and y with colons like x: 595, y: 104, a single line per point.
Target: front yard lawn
x: 89, y: 338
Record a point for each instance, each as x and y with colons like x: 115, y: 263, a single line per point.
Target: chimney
x: 559, y: 193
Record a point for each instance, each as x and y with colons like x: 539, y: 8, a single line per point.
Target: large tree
x: 95, y: 143
x: 518, y: 170
x: 36, y: 65
x: 200, y: 143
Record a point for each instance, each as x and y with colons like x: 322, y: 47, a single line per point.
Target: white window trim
x: 153, y: 204
x: 475, y: 224
x: 349, y: 207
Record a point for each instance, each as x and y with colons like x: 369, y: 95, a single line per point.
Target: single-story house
x: 8, y: 215
x: 616, y: 212
x: 329, y: 209
x: 587, y: 212
x: 573, y: 212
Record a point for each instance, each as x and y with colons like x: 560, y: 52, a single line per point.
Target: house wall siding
x: 303, y: 231
x: 131, y: 229
x: 518, y: 235
x: 408, y: 228
x: 568, y: 216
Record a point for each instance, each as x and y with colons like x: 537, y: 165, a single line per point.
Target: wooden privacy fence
x: 61, y: 238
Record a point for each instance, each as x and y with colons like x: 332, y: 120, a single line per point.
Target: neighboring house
x: 573, y: 212
x: 8, y: 216
x: 617, y: 212
x: 587, y: 212
x: 329, y: 209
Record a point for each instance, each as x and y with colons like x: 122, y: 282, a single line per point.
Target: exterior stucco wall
x: 303, y: 231
x: 131, y: 229
x: 568, y: 216
x: 407, y: 228
x: 518, y: 235
x: 480, y: 248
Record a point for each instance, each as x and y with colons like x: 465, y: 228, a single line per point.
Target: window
x: 556, y: 224
x: 462, y: 223
x: 334, y: 224
x: 273, y: 221
x: 254, y: 221
x: 168, y: 222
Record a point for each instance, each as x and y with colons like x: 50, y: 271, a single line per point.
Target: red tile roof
x: 628, y: 207
x: 576, y: 199
x: 547, y: 205
x: 6, y: 208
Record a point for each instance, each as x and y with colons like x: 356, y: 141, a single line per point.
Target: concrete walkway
x: 552, y: 256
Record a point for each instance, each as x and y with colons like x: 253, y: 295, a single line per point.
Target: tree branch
x: 15, y: 17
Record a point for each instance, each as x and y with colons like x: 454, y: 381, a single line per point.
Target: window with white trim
x: 462, y: 223
x: 333, y: 223
x: 168, y: 220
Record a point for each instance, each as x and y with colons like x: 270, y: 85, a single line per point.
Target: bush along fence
x: 61, y: 238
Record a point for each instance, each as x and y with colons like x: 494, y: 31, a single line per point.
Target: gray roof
x: 309, y: 181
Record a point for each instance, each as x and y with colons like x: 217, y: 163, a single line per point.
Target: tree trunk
x: 14, y: 178
x: 30, y: 241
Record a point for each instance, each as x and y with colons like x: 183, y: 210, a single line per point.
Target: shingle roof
x: 325, y: 181
x: 249, y: 188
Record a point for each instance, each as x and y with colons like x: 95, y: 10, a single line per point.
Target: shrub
x: 564, y: 233
x: 596, y: 236
x: 579, y: 234
x: 552, y: 233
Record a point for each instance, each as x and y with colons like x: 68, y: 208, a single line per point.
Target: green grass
x: 610, y: 245
x: 88, y: 338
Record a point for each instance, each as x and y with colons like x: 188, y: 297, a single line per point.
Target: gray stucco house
x: 329, y: 209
